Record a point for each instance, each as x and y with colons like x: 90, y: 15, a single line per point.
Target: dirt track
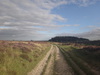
x: 40, y: 66
x: 61, y: 67
x: 52, y: 64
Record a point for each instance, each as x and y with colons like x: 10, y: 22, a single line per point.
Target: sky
x: 44, y: 19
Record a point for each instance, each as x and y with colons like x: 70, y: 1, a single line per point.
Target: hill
x: 68, y: 39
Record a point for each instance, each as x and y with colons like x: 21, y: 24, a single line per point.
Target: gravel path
x: 55, y: 65
x: 61, y: 67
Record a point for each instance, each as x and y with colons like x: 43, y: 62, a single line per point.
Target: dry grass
x: 19, y: 57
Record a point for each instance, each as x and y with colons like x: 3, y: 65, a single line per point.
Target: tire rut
x: 61, y: 66
x: 55, y: 65
x: 50, y: 65
x: 40, y: 66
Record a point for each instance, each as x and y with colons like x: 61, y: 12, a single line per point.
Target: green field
x: 18, y: 58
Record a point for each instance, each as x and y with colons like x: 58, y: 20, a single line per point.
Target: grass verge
x: 70, y: 56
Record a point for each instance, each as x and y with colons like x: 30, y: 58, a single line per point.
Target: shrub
x: 25, y: 50
x: 12, y: 72
x: 2, y: 60
x: 26, y: 57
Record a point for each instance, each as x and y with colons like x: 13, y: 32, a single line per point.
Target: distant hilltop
x: 68, y: 39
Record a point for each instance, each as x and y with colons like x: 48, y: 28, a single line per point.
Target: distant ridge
x: 68, y: 39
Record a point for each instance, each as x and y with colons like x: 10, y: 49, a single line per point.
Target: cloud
x: 36, y: 11
x: 93, y: 26
x: 83, y: 2
x: 92, y: 35
x: 23, y: 19
x: 72, y: 25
